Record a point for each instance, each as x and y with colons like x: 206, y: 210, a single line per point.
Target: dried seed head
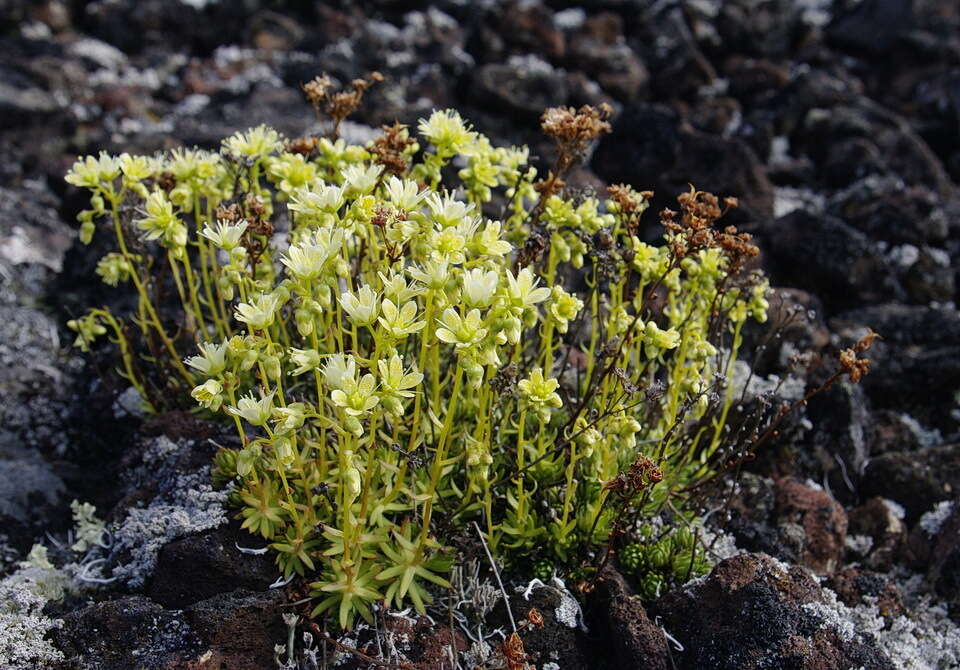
x: 302, y: 145
x: 642, y: 474
x: 390, y: 148
x: 337, y: 105
x: 229, y: 213
x: 514, y: 653
x: 535, y: 618
x: 576, y: 127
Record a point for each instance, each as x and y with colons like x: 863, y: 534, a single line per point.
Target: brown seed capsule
x: 535, y: 618
x: 514, y: 653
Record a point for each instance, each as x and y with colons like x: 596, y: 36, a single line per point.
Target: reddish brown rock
x: 876, y: 519
x: 637, y: 642
x: 855, y: 586
x: 933, y: 547
x: 239, y: 628
x: 822, y: 519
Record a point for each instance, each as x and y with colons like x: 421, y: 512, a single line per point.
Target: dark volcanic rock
x: 752, y: 612
x: 559, y: 640
x: 649, y: 149
x: 798, y: 318
x: 769, y: 29
x: 132, y: 26
x: 841, y: 437
x: 907, y: 326
x: 916, y: 479
x: 944, y: 569
x: 878, y: 521
x: 123, y: 634
x: 930, y: 278
x: 524, y: 27
x: 887, y: 209
x: 851, y: 159
x: 239, y: 628
x: 825, y: 256
x: 200, y: 566
x: 525, y: 85
x: 31, y: 493
x: 873, y: 25
x: 934, y: 548
x: 600, y: 51
x: 751, y: 518
x: 916, y: 366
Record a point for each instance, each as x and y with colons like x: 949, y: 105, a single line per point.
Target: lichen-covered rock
x: 754, y: 612
x: 856, y: 587
x: 915, y: 479
x: 168, y: 496
x: 131, y: 632
x: 24, y: 628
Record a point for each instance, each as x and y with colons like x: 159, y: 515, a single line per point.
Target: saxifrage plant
x: 420, y: 332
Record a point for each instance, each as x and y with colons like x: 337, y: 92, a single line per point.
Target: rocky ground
x: 836, y: 124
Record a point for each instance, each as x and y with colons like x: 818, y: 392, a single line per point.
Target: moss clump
x: 658, y: 564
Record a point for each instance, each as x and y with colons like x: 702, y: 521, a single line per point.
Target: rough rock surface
x: 239, y: 627
x: 637, y: 642
x: 754, y: 612
x: 112, y: 634
x: 917, y: 480
x: 791, y: 520
x: 200, y: 566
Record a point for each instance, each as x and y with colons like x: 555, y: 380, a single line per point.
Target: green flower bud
x: 87, y: 229
x: 246, y: 459
x: 271, y: 365
x: 304, y: 320
x: 353, y: 484
x: 283, y: 450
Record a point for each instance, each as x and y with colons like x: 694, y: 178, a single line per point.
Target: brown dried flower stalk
x: 337, y: 105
